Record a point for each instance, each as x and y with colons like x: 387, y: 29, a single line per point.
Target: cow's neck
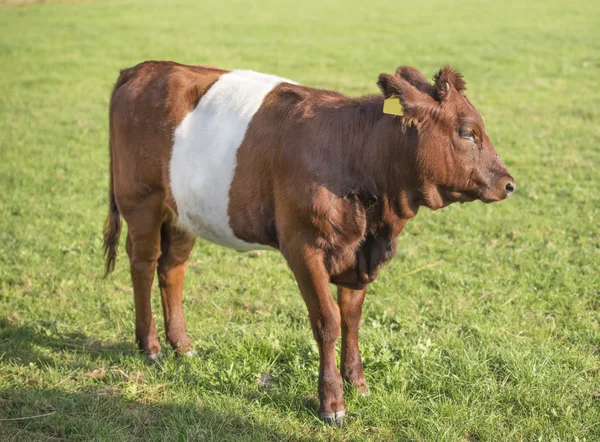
x: 380, y: 162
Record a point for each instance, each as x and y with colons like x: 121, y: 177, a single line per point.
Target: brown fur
x: 148, y: 103
x: 328, y: 180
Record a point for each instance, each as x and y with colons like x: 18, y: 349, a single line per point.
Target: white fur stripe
x: 204, y: 154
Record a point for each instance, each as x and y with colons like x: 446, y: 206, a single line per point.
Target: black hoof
x: 328, y: 420
x: 336, y: 419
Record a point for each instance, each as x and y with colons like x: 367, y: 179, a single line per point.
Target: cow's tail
x: 112, y: 228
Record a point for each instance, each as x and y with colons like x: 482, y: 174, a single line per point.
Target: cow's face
x: 454, y: 159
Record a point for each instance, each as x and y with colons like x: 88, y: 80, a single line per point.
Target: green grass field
x: 485, y: 327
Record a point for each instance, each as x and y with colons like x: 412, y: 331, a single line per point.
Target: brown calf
x: 249, y: 160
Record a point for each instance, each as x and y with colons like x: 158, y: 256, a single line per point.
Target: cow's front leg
x: 350, y: 302
x: 313, y: 279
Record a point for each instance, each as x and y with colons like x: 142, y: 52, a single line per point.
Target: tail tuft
x: 112, y: 233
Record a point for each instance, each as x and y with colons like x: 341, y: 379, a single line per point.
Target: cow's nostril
x: 510, y: 187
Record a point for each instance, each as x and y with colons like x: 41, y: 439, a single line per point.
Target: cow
x: 254, y: 161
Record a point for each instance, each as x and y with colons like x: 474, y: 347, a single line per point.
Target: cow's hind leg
x: 144, y: 218
x: 350, y: 302
x: 176, y: 246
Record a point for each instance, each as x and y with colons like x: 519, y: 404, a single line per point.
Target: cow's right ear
x: 410, y: 97
x: 416, y: 78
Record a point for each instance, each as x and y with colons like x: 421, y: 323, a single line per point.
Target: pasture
x: 486, y: 325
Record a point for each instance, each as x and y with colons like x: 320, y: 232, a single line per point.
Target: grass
x: 496, y: 337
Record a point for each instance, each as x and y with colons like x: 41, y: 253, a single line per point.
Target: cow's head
x: 453, y: 157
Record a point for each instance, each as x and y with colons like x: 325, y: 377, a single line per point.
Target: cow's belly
x: 204, y: 154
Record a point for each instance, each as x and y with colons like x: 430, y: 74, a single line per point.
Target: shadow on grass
x: 112, y: 412
x: 25, y: 344
x: 53, y: 414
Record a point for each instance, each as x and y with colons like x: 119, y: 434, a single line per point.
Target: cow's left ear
x: 410, y: 97
x: 446, y: 80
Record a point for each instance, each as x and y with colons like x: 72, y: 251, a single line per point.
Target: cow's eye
x: 467, y: 134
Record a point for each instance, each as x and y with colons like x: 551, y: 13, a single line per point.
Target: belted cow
x: 254, y: 161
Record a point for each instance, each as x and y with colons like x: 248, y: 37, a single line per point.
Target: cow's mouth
x: 499, y: 190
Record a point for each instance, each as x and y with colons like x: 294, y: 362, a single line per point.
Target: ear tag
x: 392, y: 106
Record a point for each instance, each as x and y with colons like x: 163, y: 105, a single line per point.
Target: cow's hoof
x: 363, y: 390
x: 358, y: 383
x: 154, y: 358
x: 189, y: 354
x: 333, y: 418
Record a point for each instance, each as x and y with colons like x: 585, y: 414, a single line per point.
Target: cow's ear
x: 415, y: 78
x: 388, y: 84
x: 447, y: 80
x: 409, y: 95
